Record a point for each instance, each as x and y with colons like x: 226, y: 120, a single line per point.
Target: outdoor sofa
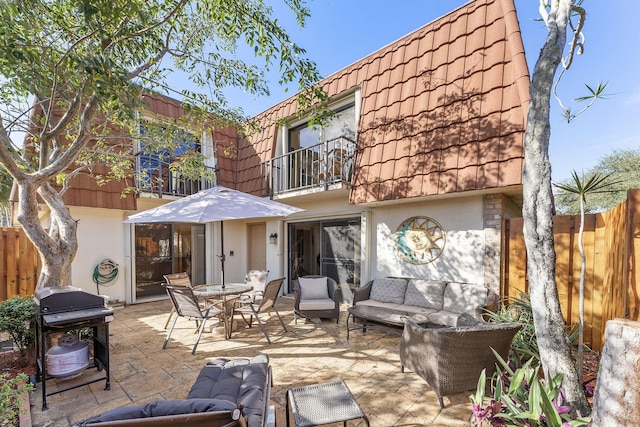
x: 227, y: 392
x: 442, y: 302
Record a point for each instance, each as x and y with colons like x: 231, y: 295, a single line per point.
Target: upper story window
x: 157, y: 151
x: 341, y: 124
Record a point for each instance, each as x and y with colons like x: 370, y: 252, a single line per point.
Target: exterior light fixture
x: 273, y: 238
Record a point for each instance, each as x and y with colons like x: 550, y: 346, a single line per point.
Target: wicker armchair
x: 327, y: 307
x: 450, y: 360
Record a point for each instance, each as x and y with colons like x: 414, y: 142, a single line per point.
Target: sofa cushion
x: 163, y: 408
x: 388, y: 289
x: 425, y: 293
x: 241, y: 381
x: 444, y: 317
x: 464, y: 297
x: 313, y: 288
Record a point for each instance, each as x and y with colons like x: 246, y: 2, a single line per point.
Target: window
x: 341, y: 124
x: 156, y: 154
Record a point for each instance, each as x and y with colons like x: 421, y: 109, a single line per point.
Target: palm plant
x: 582, y: 186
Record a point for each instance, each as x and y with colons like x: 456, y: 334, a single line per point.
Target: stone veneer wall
x: 496, y: 207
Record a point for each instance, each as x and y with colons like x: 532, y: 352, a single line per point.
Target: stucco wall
x: 462, y: 257
x: 101, y: 234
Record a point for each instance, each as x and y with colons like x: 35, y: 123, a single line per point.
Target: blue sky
x: 340, y: 32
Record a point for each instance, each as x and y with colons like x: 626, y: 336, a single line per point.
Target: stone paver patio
x: 311, y: 352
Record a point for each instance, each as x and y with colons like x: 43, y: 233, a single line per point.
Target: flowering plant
x: 521, y: 399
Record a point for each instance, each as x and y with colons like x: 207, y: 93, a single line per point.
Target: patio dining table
x: 216, y: 290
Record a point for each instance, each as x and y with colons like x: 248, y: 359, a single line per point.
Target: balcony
x: 154, y: 176
x: 318, y: 166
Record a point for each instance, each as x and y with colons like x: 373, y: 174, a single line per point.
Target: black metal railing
x: 154, y: 176
x: 319, y: 165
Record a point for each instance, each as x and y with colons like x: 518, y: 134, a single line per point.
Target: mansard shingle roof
x: 443, y: 110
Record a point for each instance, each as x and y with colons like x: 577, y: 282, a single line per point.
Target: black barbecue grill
x: 66, y: 308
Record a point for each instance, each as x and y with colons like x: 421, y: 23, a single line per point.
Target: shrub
x: 524, y: 346
x: 520, y: 398
x: 10, y: 393
x: 17, y: 318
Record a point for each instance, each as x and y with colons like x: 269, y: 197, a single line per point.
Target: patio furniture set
x: 444, y: 340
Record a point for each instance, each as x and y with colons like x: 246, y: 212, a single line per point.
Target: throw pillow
x: 388, y: 289
x: 313, y: 288
x: 425, y: 293
x: 464, y: 297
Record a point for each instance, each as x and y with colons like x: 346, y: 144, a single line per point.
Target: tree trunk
x: 538, y: 210
x: 617, y: 397
x: 57, y: 248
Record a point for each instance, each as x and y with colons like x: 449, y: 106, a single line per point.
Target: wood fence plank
x: 3, y: 265
x: 632, y: 310
x: 12, y: 267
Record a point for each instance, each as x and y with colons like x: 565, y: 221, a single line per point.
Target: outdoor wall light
x: 273, y: 238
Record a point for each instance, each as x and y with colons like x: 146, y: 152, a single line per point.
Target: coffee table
x: 319, y: 404
x: 381, y: 315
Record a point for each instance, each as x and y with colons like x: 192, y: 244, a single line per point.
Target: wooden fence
x: 19, y: 264
x: 611, y: 281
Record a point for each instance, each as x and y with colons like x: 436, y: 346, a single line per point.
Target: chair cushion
x: 425, y: 293
x: 464, y: 297
x: 388, y: 289
x: 163, y: 408
x: 242, y: 381
x: 313, y: 288
x: 317, y: 304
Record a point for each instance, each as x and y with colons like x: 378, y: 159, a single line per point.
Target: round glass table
x: 216, y: 291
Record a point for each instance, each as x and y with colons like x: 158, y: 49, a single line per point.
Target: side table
x: 326, y: 403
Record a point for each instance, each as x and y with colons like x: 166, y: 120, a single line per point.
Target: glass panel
x: 330, y: 248
x: 340, y: 254
x: 164, y: 249
x: 153, y: 258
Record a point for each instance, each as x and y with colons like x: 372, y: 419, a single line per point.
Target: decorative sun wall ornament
x: 420, y: 239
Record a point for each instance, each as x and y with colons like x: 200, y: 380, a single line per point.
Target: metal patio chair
x: 258, y: 280
x: 253, y: 309
x: 186, y: 305
x: 176, y: 279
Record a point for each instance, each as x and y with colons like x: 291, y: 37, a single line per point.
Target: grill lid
x: 66, y: 298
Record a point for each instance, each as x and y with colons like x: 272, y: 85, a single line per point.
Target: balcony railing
x: 154, y: 176
x: 316, y: 166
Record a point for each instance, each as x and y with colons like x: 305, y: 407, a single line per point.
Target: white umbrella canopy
x: 215, y: 204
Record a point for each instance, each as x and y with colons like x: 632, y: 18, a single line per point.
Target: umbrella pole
x: 222, y: 255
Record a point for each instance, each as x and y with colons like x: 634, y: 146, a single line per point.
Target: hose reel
x: 105, y: 273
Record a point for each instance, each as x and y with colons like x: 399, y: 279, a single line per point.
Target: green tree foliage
x: 623, y: 165
x: 88, y: 63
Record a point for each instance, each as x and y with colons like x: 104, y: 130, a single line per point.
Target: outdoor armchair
x: 316, y: 296
x: 186, y: 305
x: 247, y: 308
x: 451, y: 359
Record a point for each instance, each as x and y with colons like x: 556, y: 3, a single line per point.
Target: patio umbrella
x: 215, y: 204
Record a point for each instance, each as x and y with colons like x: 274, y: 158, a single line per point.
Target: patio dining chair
x: 258, y: 280
x: 254, y: 309
x: 183, y: 279
x: 176, y: 279
x: 186, y: 305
